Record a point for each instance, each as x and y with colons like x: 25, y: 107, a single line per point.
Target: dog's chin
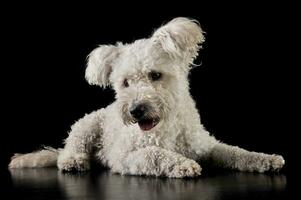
x: 148, y: 124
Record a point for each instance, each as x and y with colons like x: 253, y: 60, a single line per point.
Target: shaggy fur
x: 151, y: 72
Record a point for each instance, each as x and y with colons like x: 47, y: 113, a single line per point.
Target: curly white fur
x: 176, y: 146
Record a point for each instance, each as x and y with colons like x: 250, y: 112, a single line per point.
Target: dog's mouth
x: 148, y: 124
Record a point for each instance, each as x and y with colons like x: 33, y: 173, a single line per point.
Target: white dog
x: 153, y: 127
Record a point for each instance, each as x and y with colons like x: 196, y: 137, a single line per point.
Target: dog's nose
x: 138, y: 111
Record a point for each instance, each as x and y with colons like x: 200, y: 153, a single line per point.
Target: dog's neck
x: 185, y: 113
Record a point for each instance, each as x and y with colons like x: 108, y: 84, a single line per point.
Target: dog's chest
x: 171, y: 140
x: 120, y: 139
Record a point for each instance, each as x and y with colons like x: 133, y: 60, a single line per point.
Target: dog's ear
x: 180, y: 38
x: 100, y: 64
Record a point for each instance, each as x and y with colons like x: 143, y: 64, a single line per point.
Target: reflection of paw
x: 276, y: 162
x: 188, y: 168
x: 73, y: 163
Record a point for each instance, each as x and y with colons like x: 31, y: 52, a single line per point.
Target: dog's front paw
x: 267, y: 163
x: 188, y: 168
x: 276, y: 162
x: 71, y: 163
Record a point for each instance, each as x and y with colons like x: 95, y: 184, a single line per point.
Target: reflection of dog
x: 153, y: 127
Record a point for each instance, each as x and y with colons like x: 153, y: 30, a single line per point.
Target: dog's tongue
x: 146, y: 124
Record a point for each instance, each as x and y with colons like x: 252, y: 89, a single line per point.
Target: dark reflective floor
x: 51, y: 184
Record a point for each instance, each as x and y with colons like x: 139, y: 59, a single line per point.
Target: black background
x: 241, y: 88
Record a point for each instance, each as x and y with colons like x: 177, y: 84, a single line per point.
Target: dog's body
x: 153, y: 127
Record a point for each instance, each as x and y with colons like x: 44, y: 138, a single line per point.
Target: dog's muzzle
x: 141, y: 114
x: 138, y: 111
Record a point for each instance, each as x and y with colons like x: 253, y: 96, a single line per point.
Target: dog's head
x: 148, y: 75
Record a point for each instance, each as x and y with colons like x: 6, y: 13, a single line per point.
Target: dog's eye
x: 155, y: 76
x: 125, y: 83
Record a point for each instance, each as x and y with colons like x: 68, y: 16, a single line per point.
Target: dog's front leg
x: 227, y: 156
x: 84, y: 136
x: 157, y: 161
